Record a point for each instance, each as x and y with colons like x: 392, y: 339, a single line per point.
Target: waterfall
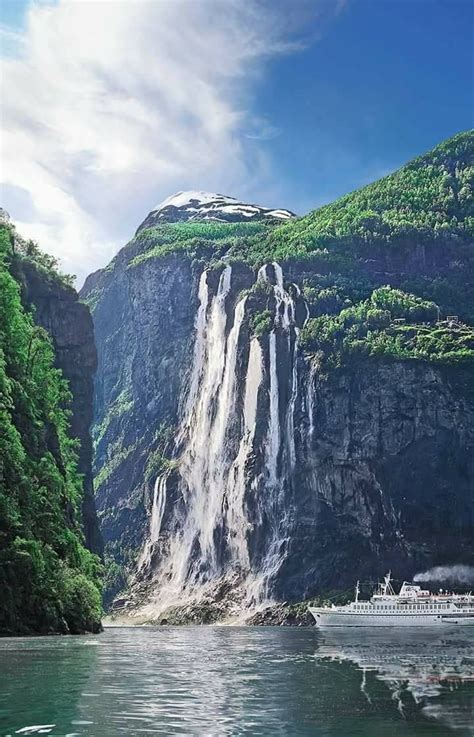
x: 290, y: 419
x: 285, y: 317
x: 310, y: 402
x: 159, y: 501
x: 273, y: 448
x: 199, y: 345
x: 233, y: 378
x: 156, y: 518
x: 238, y: 523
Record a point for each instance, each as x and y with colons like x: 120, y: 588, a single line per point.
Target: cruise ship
x: 411, y: 607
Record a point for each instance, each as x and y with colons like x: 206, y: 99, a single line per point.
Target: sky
x: 110, y: 106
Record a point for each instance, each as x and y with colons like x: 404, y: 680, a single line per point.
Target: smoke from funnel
x: 455, y: 574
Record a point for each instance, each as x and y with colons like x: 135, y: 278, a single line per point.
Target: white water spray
x: 157, y: 511
x: 208, y: 537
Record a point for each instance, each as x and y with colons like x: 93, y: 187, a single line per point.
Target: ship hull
x: 325, y: 618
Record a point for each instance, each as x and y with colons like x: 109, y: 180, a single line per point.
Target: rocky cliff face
x: 144, y: 330
x: 385, y: 474
x: 231, y: 469
x: 68, y: 321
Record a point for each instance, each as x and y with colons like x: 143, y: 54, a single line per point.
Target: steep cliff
x: 57, y: 309
x: 272, y: 420
x: 48, y: 578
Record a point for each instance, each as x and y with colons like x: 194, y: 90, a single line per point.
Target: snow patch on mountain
x: 199, y: 205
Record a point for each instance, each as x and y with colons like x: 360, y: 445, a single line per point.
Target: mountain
x: 185, y: 206
x: 285, y: 405
x: 49, y: 577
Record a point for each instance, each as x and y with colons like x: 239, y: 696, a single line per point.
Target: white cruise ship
x: 411, y: 607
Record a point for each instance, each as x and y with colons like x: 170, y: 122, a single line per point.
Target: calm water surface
x: 238, y: 681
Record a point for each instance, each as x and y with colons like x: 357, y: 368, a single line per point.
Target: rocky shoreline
x: 208, y: 612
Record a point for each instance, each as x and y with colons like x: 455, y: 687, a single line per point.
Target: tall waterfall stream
x: 230, y: 482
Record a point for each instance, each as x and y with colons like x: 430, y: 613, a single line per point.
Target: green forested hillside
x: 48, y: 580
x: 412, y: 231
x: 426, y: 201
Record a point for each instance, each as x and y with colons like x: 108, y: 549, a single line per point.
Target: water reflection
x: 237, y: 681
x: 431, y: 669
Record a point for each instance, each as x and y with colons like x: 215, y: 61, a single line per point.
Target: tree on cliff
x: 49, y: 581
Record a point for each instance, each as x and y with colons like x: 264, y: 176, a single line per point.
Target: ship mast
x: 387, y: 588
x: 357, y: 592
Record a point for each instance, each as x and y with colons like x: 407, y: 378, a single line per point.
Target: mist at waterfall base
x: 213, y: 506
x: 459, y: 574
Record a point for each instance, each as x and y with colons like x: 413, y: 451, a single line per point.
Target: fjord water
x: 238, y: 681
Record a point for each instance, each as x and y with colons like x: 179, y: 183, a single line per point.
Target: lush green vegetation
x: 261, y: 323
x: 117, y: 454
x: 427, y: 200
x: 390, y: 323
x: 28, y: 250
x: 413, y: 229
x: 207, y: 241
x: 121, y: 406
x: 48, y: 580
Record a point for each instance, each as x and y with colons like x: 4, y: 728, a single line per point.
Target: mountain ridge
x: 193, y: 205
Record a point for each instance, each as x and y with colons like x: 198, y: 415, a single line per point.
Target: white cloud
x: 110, y: 106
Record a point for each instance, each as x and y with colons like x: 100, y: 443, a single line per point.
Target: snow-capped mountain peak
x: 198, y: 205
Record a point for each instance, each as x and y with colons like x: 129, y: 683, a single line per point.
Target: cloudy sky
x: 109, y: 106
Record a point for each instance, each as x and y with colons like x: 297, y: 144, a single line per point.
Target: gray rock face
x: 386, y: 475
x: 143, y: 319
x: 68, y: 321
x: 383, y: 469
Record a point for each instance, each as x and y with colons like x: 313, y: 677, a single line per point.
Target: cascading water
x: 225, y: 497
x: 157, y: 511
x: 310, y: 403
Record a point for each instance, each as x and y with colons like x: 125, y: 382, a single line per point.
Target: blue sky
x: 387, y: 81
x: 111, y: 106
